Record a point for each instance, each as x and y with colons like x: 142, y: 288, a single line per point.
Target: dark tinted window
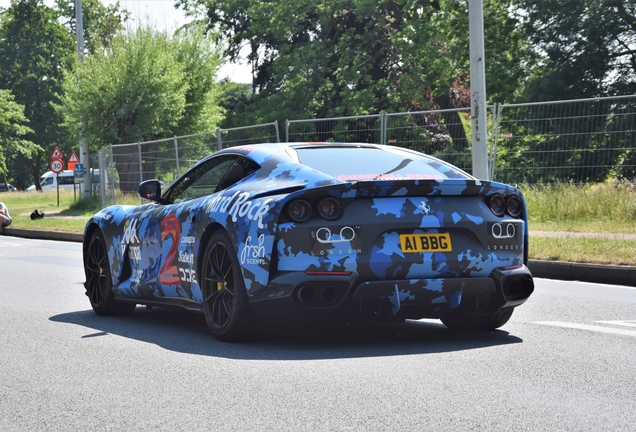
x: 209, y: 177
x: 66, y: 180
x: 369, y: 163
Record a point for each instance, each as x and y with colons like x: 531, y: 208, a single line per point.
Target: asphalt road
x: 565, y: 361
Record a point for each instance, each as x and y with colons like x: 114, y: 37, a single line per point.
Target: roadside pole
x: 85, y: 156
x: 478, y: 89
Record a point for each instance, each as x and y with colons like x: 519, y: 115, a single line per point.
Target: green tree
x: 509, y: 55
x: 35, y: 49
x: 586, y: 47
x: 13, y: 129
x: 345, y: 58
x: 581, y: 49
x: 101, y: 22
x: 145, y: 86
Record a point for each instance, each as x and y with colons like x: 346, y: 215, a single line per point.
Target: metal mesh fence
x: 248, y: 135
x: 443, y: 134
x: 126, y: 165
x: 587, y: 140
x: 362, y: 129
x: 576, y: 141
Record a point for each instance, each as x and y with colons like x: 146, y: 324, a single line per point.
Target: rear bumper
x: 298, y: 296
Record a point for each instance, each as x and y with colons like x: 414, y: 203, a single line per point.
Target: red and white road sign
x: 57, y: 154
x: 57, y: 166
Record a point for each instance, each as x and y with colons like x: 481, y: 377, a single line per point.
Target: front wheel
x: 98, y: 281
x: 484, y: 322
x: 225, y: 301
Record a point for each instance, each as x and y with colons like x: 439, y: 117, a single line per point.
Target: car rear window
x: 370, y: 163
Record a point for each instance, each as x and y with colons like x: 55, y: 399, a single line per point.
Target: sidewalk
x: 596, y: 273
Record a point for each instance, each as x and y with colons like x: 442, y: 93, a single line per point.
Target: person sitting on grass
x: 5, y: 219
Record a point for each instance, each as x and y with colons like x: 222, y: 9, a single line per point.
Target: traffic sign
x: 57, y: 166
x: 72, y: 161
x: 78, y: 171
x: 57, y: 154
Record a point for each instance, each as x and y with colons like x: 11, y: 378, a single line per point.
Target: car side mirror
x: 150, y: 190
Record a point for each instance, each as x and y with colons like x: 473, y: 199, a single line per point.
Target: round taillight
x: 498, y: 204
x: 299, y: 211
x: 329, y: 208
x: 514, y: 206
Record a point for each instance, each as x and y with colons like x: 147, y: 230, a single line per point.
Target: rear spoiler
x: 446, y: 187
x: 397, y: 188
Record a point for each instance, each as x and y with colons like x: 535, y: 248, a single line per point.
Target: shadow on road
x: 186, y: 332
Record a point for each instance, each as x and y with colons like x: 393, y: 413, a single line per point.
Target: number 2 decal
x: 169, y: 271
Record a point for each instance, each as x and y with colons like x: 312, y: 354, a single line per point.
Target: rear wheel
x: 224, y: 295
x: 98, y: 281
x: 479, y: 322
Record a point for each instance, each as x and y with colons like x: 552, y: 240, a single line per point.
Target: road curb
x: 596, y: 273
x: 43, y: 235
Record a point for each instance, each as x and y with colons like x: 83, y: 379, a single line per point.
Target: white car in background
x: 66, y: 180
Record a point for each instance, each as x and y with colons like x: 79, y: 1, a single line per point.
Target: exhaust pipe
x: 527, y: 287
x: 329, y: 294
x: 514, y: 289
x: 305, y: 295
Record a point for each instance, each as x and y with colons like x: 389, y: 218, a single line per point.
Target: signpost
x: 78, y: 174
x: 57, y: 166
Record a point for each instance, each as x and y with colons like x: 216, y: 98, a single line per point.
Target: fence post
x: 286, y: 130
x: 176, y: 153
x: 277, y: 133
x: 112, y: 174
x: 383, y: 126
x: 219, y: 141
x: 102, y: 177
x: 141, y: 169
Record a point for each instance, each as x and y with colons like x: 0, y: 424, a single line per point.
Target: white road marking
x: 593, y: 328
x: 558, y: 281
x: 620, y: 323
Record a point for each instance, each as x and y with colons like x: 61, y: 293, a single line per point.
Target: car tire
x: 99, y: 282
x: 225, y: 301
x: 485, y: 322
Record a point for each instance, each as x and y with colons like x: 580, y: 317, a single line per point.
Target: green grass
x: 583, y: 250
x: 607, y: 208
x: 604, y: 208
x: 70, y: 215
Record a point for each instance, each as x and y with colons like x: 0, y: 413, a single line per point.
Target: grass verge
x: 583, y: 250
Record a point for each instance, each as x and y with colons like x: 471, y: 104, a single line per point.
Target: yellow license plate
x: 411, y: 243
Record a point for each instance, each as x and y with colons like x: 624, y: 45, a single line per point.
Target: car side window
x: 241, y: 168
x: 209, y: 177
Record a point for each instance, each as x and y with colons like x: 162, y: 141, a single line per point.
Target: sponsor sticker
x: 504, y: 236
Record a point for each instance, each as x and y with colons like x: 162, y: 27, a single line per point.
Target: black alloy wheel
x: 224, y: 296
x: 98, y: 280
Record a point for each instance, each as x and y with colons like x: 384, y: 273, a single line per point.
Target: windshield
x: 371, y: 163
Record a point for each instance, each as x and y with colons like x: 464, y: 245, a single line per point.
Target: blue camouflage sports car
x: 311, y: 231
